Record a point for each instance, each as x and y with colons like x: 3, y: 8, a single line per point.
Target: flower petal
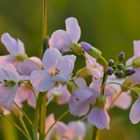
x: 136, y: 48
x: 99, y: 117
x: 78, y: 108
x: 41, y: 81
x: 7, y: 96
x: 13, y: 46
x: 51, y: 58
x: 73, y: 29
x: 60, y: 40
x: 135, y: 112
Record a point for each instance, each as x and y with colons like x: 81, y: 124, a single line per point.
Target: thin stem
x: 24, y: 127
x: 103, y: 83
x: 44, y: 25
x: 104, y: 61
x: 26, y: 116
x: 60, y: 118
x: 114, y: 100
x: 94, y: 135
x: 42, y: 116
x: 49, y: 100
x: 13, y: 123
x: 36, y: 119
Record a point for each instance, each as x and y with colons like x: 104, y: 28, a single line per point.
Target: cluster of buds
x: 119, y: 68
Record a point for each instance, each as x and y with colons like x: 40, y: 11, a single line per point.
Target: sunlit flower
x: 9, y: 78
x: 74, y: 130
x: 17, y: 56
x: 59, y: 94
x: 62, y: 40
x: 57, y: 68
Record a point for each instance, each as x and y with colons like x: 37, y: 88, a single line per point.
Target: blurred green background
x: 110, y: 25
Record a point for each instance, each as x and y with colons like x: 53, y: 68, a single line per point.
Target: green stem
x: 60, y: 118
x: 24, y: 127
x: 44, y: 25
x: 94, y: 136
x: 13, y: 123
x: 26, y: 116
x: 104, y: 61
x: 42, y: 116
x: 36, y: 118
x: 103, y: 83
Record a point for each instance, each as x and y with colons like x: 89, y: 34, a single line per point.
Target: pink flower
x: 60, y: 94
x: 18, y: 57
x: 62, y: 40
x: 9, y: 78
x: 135, y: 78
x: 73, y: 130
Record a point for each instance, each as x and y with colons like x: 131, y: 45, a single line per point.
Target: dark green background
x: 110, y: 25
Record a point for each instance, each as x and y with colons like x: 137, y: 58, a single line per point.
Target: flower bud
x: 120, y: 66
x: 119, y: 74
x: 101, y: 101
x: 136, y: 62
x: 76, y: 49
x: 121, y: 56
x: 109, y: 71
x: 111, y: 62
x: 9, y: 83
x: 129, y: 72
x: 94, y: 52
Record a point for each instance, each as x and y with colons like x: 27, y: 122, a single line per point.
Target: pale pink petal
x: 78, y: 108
x: 99, y: 117
x: 135, y: 78
x: 13, y: 46
x: 27, y: 67
x: 80, y: 82
x: 41, y: 80
x: 135, y: 112
x: 49, y: 121
x: 60, y: 94
x: 51, y: 59
x: 124, y: 101
x: 136, y: 48
x: 73, y: 29
x: 36, y: 60
x: 7, y: 96
x: 60, y: 40
x: 75, y: 128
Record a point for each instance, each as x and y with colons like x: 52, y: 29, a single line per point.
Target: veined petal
x: 135, y: 112
x: 99, y: 117
x: 7, y: 96
x: 73, y: 29
x: 60, y: 40
x: 13, y: 46
x: 41, y: 80
x: 78, y: 108
x: 51, y: 58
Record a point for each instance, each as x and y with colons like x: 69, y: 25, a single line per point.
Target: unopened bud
x: 120, y: 66
x: 83, y: 72
x: 111, y: 62
x: 129, y: 72
x: 76, y: 49
x: 109, y: 71
x: 119, y: 74
x: 121, y: 56
x: 94, y: 52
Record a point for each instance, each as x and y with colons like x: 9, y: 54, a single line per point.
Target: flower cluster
x: 113, y: 83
